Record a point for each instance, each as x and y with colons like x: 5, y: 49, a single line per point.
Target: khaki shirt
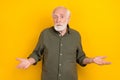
x: 59, y: 54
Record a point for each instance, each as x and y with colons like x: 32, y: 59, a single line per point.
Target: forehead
x: 60, y: 11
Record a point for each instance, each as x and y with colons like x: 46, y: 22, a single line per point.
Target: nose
x: 58, y: 20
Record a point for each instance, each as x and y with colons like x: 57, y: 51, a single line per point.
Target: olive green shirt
x: 59, y: 54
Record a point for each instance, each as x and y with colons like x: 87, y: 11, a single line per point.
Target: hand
x: 99, y: 60
x: 24, y: 63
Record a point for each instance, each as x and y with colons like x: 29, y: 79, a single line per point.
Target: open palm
x: 99, y: 60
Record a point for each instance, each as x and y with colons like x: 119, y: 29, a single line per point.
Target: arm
x: 97, y: 60
x: 80, y: 55
x: 83, y: 60
x: 34, y: 57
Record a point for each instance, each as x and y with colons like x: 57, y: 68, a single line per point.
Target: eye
x: 62, y: 16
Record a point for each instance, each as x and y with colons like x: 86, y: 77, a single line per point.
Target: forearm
x: 88, y: 61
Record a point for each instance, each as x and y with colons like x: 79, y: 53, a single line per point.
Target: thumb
x: 103, y: 57
x: 19, y: 59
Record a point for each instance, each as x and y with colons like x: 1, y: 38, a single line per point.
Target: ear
x: 68, y: 18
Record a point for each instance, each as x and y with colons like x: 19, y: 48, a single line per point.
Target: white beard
x: 60, y: 27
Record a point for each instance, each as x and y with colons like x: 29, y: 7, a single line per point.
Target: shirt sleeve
x: 38, y: 51
x: 80, y: 53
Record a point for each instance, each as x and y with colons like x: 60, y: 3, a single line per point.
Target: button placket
x: 60, y: 59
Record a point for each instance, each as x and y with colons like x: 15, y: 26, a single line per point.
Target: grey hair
x: 68, y: 11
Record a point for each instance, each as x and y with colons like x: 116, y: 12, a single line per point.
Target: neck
x: 62, y: 33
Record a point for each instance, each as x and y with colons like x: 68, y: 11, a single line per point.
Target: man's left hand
x: 99, y: 60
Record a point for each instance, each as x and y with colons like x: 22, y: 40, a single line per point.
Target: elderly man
x: 60, y: 48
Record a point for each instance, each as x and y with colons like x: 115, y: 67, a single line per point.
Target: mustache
x: 60, y: 24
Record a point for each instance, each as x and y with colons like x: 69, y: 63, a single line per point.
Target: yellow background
x: 21, y: 22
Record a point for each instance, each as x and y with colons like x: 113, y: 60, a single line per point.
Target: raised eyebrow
x: 62, y: 15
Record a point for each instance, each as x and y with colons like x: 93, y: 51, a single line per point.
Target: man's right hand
x: 25, y: 63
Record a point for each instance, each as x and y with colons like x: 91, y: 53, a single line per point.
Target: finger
x: 26, y: 64
x: 25, y: 67
x: 20, y: 66
x: 107, y: 63
x: 19, y: 59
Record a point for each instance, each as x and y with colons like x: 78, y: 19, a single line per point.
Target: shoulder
x: 46, y: 30
x: 75, y: 32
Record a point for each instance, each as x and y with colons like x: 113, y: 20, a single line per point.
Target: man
x: 60, y: 48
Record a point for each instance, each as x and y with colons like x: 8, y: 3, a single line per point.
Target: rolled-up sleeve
x: 38, y: 51
x: 80, y: 55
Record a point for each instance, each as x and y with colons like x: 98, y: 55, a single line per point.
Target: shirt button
x: 60, y: 64
x: 59, y: 75
x: 61, y: 44
x: 61, y: 54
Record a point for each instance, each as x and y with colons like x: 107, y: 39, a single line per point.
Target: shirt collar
x: 68, y: 29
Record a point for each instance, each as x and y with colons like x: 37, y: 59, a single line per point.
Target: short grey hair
x: 68, y: 11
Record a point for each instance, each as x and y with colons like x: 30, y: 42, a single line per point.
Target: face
x: 60, y: 18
